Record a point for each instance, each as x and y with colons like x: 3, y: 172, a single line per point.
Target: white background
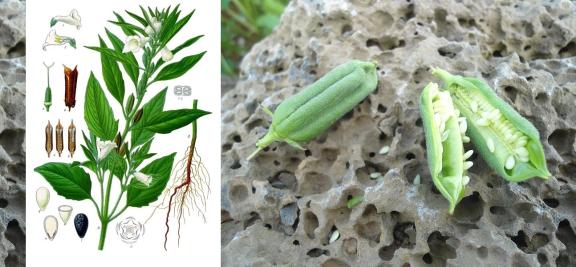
x: 200, y: 243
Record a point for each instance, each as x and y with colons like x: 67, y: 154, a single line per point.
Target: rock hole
x: 562, y: 140
x: 526, y: 211
x: 482, y: 252
x: 238, y: 193
x: 289, y: 215
x: 552, y: 202
x: 566, y: 235
x: 427, y: 258
x: 15, y: 235
x: 410, y: 156
x: 296, y: 243
x: 253, y: 124
x: 350, y: 246
x: 310, y: 224
x: 568, y: 51
x: 439, y: 249
x: 226, y: 147
x: 284, y: 180
x: 373, y: 43
x: 370, y: 231
x: 542, y: 259
x: 541, y: 98
x: 470, y: 208
x: 346, y: 30
x: 316, y: 252
x: 511, y: 93
x: 307, y: 153
x: 449, y: 51
x: 3, y: 203
x: 235, y: 165
x: 382, y: 108
x: 419, y: 122
x: 314, y: 183
x: 254, y: 217
x: 334, y: 263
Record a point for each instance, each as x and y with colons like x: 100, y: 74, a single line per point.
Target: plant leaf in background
x: 69, y: 181
x: 154, y: 106
x: 97, y: 112
x: 168, y: 121
x: 177, y: 69
x: 245, y: 22
x: 138, y: 194
x: 112, y: 75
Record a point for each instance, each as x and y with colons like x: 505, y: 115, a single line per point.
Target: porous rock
x: 526, y: 51
x: 12, y: 130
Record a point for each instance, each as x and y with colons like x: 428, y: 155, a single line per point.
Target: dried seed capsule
x: 118, y: 140
x: 59, y: 138
x: 48, y: 142
x: 302, y: 117
x: 122, y: 150
x: 509, y: 143
x: 138, y: 115
x: 444, y: 148
x: 71, y: 138
x: 70, y: 78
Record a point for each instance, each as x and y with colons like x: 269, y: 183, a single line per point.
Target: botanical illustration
x: 117, y: 145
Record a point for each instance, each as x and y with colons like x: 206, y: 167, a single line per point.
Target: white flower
x: 143, y: 41
x: 143, y: 178
x: 72, y: 19
x: 55, y: 39
x: 156, y: 25
x: 132, y: 44
x: 149, y: 30
x: 104, y: 148
x: 167, y: 54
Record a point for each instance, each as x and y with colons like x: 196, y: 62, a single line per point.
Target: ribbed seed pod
x: 444, y: 149
x: 72, y: 139
x: 48, y: 143
x: 302, y: 117
x: 59, y: 138
x: 118, y: 141
x: 70, y: 79
x: 138, y: 115
x: 130, y: 103
x: 508, y: 142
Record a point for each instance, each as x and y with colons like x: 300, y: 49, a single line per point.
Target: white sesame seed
x: 437, y: 118
x: 442, y: 126
x: 524, y: 159
x: 521, y: 151
x: 463, y: 126
x: 482, y: 122
x: 490, y: 144
x: 375, y: 175
x: 335, y: 235
x: 417, y: 179
x: 509, y: 162
x: 465, y: 139
x: 444, y: 136
x: 468, y: 154
x: 474, y: 106
x: 468, y: 165
x: 384, y: 150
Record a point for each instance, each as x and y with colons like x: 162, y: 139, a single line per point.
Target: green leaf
x: 129, y: 27
x: 130, y: 64
x: 69, y: 181
x: 171, y: 30
x: 188, y: 43
x: 177, y: 69
x: 154, y: 106
x: 142, y: 154
x: 115, y: 164
x: 145, y: 14
x: 97, y: 112
x: 168, y: 121
x: 138, y: 18
x: 112, y: 75
x: 138, y: 194
x: 126, y: 30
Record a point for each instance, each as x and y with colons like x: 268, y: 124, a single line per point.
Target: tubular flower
x: 72, y: 19
x: 143, y: 178
x: 104, y: 148
x: 132, y: 44
x: 167, y: 54
x: 55, y: 39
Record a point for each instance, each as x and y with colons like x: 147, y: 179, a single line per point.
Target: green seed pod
x: 508, y: 142
x: 302, y: 117
x: 118, y: 140
x: 48, y: 98
x: 444, y: 131
x: 130, y: 103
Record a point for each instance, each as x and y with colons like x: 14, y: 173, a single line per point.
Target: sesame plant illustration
x: 119, y: 157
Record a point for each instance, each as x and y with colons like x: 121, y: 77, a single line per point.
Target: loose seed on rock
x: 384, y: 150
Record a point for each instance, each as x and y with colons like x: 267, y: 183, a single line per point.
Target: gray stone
x: 526, y: 51
x: 12, y: 132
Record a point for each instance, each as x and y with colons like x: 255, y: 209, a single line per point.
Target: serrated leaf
x: 154, y: 106
x: 112, y: 75
x: 177, y: 69
x: 97, y: 112
x: 138, y: 194
x: 69, y: 181
x: 168, y: 121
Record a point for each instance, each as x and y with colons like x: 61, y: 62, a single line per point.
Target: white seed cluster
x: 490, y: 117
x: 444, y: 110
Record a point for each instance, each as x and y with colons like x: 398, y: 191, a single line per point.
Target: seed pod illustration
x: 122, y: 150
x: 81, y: 224
x: 302, y: 117
x: 72, y: 139
x: 51, y: 226
x: 130, y: 103
x: 65, y: 212
x: 48, y: 143
x: 59, y: 139
x: 42, y: 198
x: 48, y: 92
x: 118, y: 141
x: 70, y: 78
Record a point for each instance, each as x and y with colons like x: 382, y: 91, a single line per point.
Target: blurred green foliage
x: 245, y: 22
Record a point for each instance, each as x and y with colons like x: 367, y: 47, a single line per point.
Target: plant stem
x: 103, y: 229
